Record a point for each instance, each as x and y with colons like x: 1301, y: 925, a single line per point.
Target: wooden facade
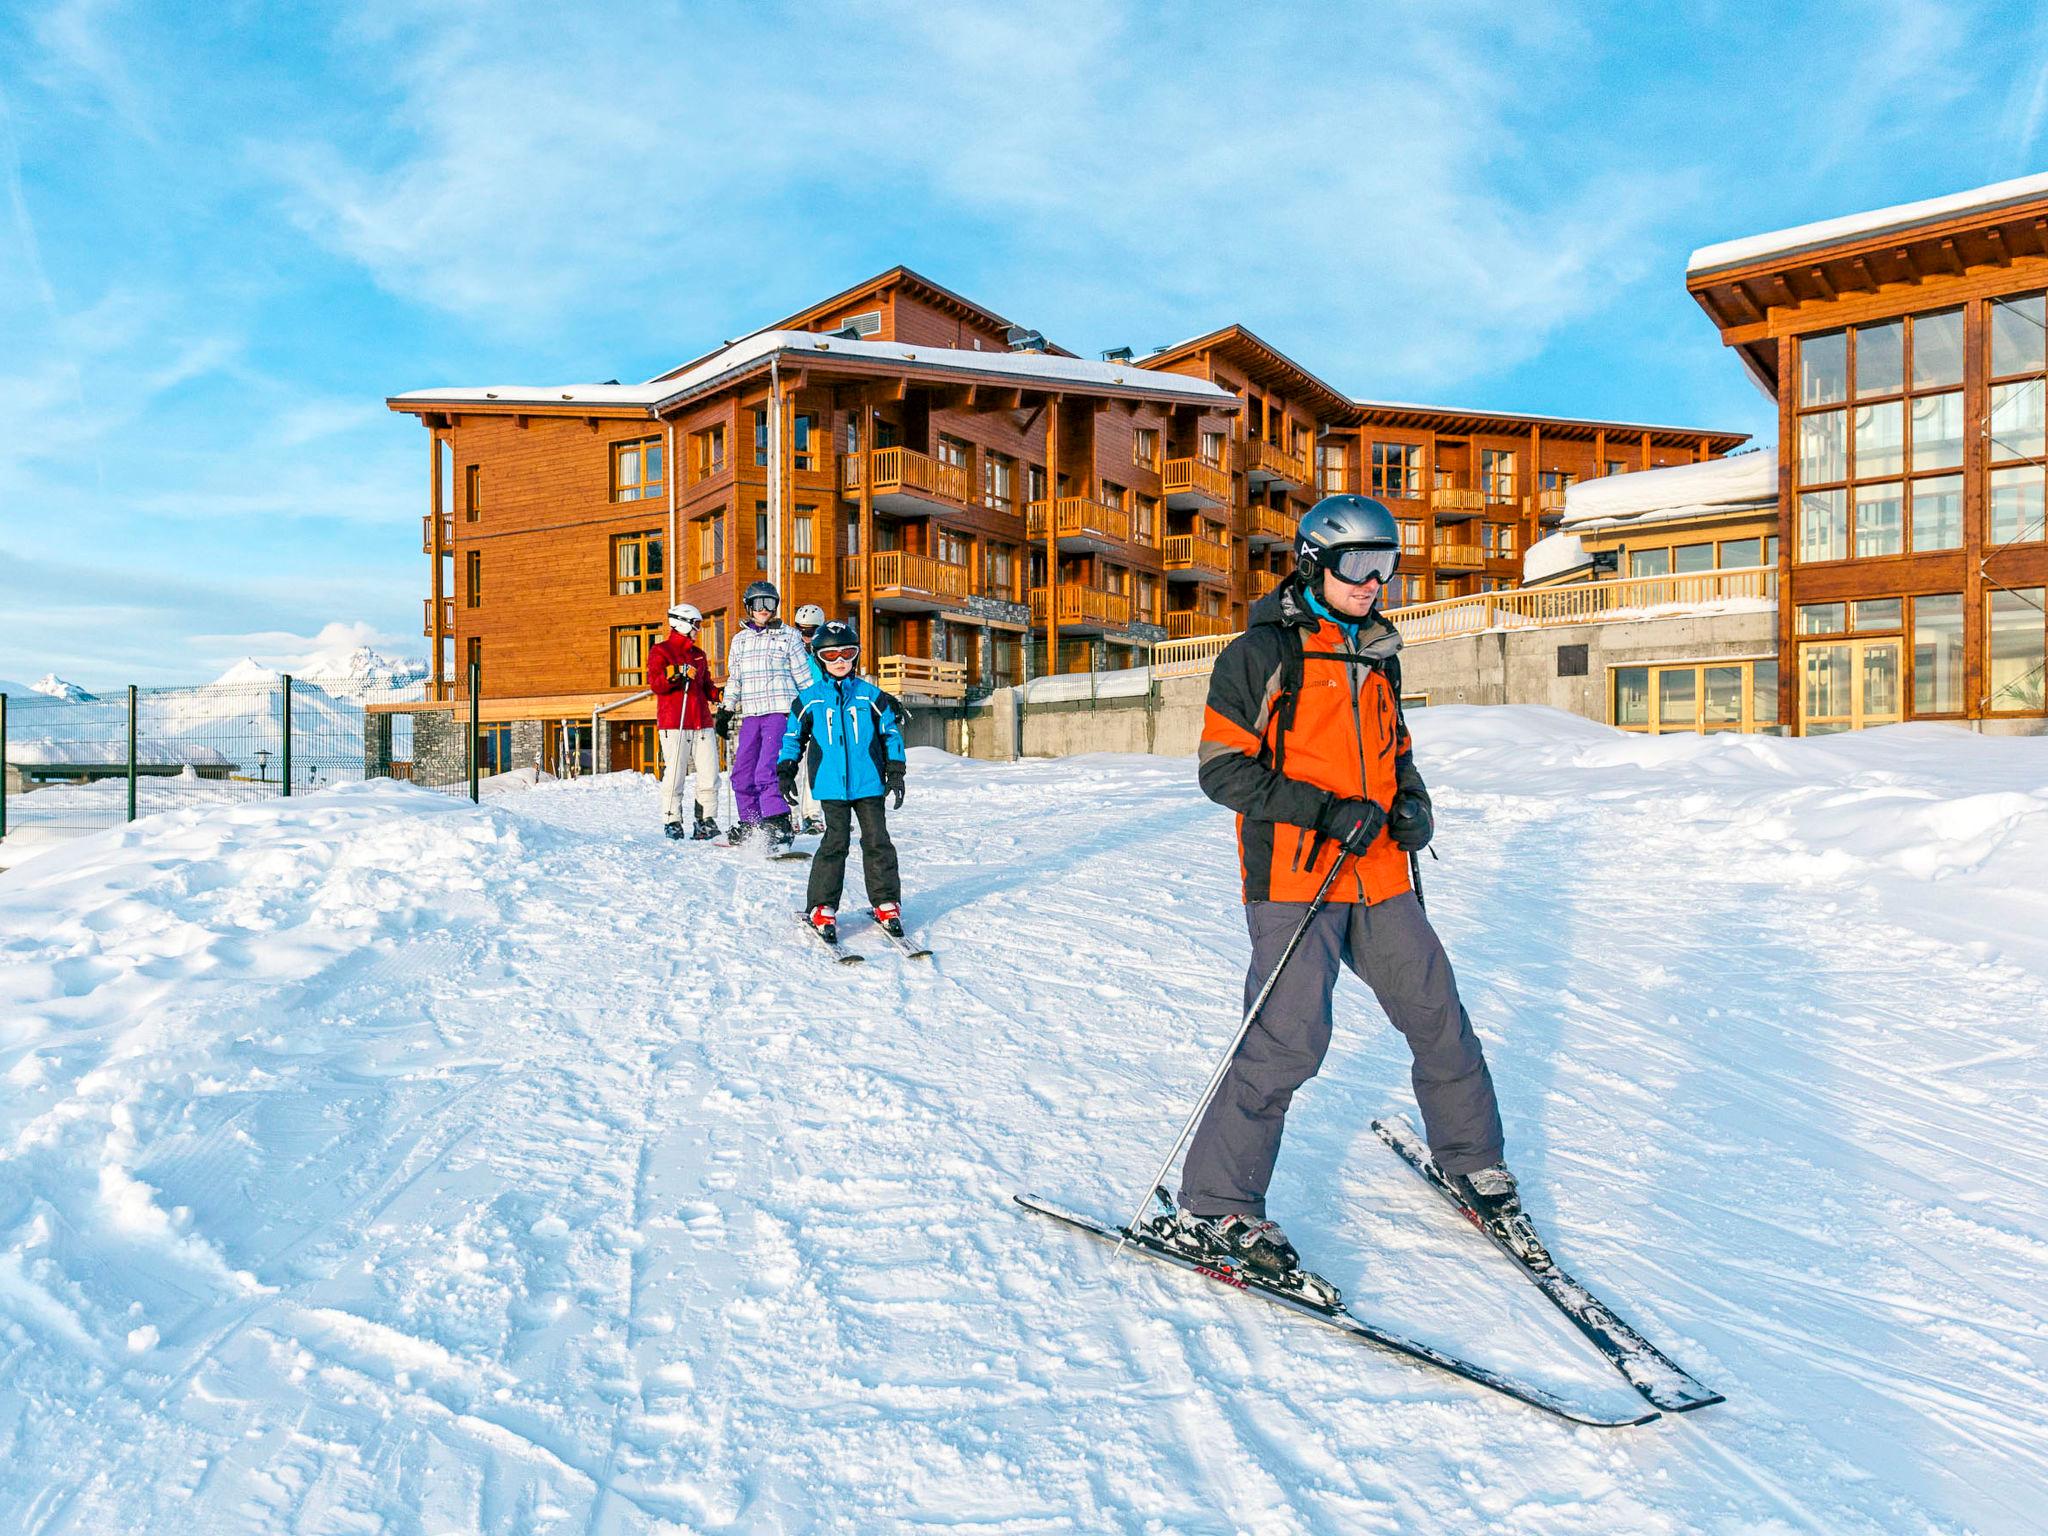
x: 1907, y: 352
x: 980, y: 501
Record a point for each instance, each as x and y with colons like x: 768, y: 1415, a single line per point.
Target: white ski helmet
x: 810, y: 616
x: 684, y: 617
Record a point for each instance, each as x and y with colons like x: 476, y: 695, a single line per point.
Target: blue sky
x: 228, y: 231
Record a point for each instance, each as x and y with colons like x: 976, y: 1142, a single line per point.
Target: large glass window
x: 1824, y: 525
x: 1397, y: 469
x: 2016, y: 637
x: 2019, y: 335
x: 1824, y: 369
x: 1822, y: 618
x: 2016, y: 503
x: 1880, y: 358
x: 1632, y: 696
x: 1938, y: 349
x: 1823, y: 447
x: 1497, y: 473
x: 1938, y: 431
x: 1734, y: 695
x: 1880, y: 519
x: 1938, y: 512
x: 1687, y: 558
x: 636, y: 470
x: 1739, y: 554
x: 1649, y: 562
x: 1938, y: 654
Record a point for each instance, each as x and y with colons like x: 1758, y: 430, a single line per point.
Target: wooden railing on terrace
x: 1084, y: 605
x: 1190, y: 551
x: 1264, y: 582
x: 922, y: 675
x: 1261, y: 456
x: 1188, y: 658
x: 1188, y: 625
x: 1185, y: 476
x: 1080, y: 517
x: 1267, y: 523
x: 427, y: 531
x: 899, y: 570
x: 902, y: 469
x: 1459, y: 554
x: 1455, y: 498
x: 1547, y: 501
x: 447, y: 616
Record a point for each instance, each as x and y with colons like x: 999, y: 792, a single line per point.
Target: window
x: 1617, y: 466
x: 2014, y: 651
x: 1497, y: 473
x: 494, y: 749
x: 636, y: 470
x: 1938, y: 654
x: 760, y: 439
x: 637, y: 563
x: 954, y: 451
x: 1034, y: 483
x: 711, y: 545
x: 867, y: 323
x: 1212, y: 449
x: 2018, y: 424
x: 1506, y: 549
x: 1114, y: 495
x: 760, y: 535
x: 804, y: 424
x: 1874, y: 613
x: 1397, y: 469
x: 999, y: 482
x: 1145, y: 448
x: 852, y: 541
x: 472, y: 492
x: 1823, y: 619
x: 1411, y: 536
x: 954, y: 548
x: 714, y: 625
x: 803, y: 555
x: 710, y: 451
x: 1331, y: 462
x: 999, y: 572
x: 1881, y: 412
x: 1739, y: 694
x: 1739, y: 554
x: 1649, y: 562
x: 630, y: 645
x: 1556, y: 479
x: 473, y: 580
x: 1145, y: 522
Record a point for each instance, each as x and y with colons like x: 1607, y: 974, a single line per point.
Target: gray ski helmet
x: 834, y: 635
x: 1343, y: 522
x: 761, y: 592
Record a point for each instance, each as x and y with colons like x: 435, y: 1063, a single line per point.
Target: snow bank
x: 1678, y: 491
x: 1553, y: 556
x: 375, y: 1161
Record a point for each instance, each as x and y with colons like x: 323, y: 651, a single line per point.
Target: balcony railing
x: 1084, y: 606
x: 427, y: 532
x: 899, y: 571
x: 1188, y: 625
x: 922, y: 675
x: 427, y: 616
x: 903, y: 472
x: 1456, y: 501
x: 1265, y: 523
x: 1187, y: 482
x: 1460, y: 556
x: 1586, y: 602
x: 1264, y: 582
x: 1080, y: 517
x: 1273, y: 462
x: 1192, y: 552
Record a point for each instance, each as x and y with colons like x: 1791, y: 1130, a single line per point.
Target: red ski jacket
x: 680, y: 675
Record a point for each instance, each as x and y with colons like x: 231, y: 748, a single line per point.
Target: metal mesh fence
x: 73, y: 764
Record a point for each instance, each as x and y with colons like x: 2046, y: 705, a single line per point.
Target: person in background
x: 808, y: 618
x: 847, y: 729
x: 765, y: 667
x: 679, y: 674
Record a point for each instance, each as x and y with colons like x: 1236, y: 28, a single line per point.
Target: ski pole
x: 1344, y: 850
x: 1415, y: 877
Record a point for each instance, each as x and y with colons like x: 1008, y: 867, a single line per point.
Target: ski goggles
x: 677, y: 621
x: 839, y: 653
x: 1360, y: 563
x: 759, y: 603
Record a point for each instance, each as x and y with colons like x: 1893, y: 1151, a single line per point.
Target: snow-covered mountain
x: 354, y: 673
x: 50, y: 685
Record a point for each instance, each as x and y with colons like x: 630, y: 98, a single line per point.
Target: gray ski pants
x: 1392, y: 949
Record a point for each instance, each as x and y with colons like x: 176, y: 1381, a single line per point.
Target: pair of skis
x: 846, y: 956
x: 1665, y: 1385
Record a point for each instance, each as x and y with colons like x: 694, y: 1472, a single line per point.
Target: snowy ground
x: 375, y: 1162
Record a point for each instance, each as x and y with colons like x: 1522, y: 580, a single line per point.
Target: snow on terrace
x: 1743, y: 481
x: 377, y: 1161
x: 1880, y: 221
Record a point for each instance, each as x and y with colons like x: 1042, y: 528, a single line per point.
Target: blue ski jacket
x: 850, y: 731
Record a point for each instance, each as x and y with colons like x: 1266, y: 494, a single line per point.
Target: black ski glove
x: 721, y: 721
x: 785, y: 780
x: 892, y: 780
x: 1412, y: 818
x: 1354, y: 823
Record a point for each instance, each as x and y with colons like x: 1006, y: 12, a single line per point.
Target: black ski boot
x: 780, y: 832
x: 673, y: 830
x: 706, y: 829
x: 814, y: 826
x: 889, y: 918
x: 1254, y: 1245
x: 826, y: 921
x: 742, y: 833
x: 1490, y: 1194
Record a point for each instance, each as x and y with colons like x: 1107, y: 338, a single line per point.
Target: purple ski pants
x: 753, y: 767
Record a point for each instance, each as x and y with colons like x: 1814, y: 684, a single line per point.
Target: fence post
x: 3, y: 765
x: 131, y: 751
x: 475, y: 677
x: 285, y: 744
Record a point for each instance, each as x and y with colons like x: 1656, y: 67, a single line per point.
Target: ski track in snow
x: 375, y: 1162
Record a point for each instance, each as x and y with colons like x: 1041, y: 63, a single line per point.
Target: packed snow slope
x: 375, y: 1162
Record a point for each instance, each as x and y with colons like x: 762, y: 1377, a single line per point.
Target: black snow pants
x: 877, y: 853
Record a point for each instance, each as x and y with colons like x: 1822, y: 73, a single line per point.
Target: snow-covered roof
x: 1803, y: 237
x: 1529, y: 416
x: 750, y: 352
x: 1742, y: 482
x: 1553, y: 556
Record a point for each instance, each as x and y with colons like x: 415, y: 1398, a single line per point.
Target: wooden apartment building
x: 1907, y: 351
x: 982, y: 502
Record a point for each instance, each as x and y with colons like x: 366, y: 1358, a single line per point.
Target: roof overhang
x: 1265, y: 365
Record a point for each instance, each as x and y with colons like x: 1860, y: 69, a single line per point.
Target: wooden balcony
x: 1192, y: 484
x: 427, y: 617
x: 427, y: 532
x: 1189, y: 625
x: 1452, y: 503
x: 1586, y: 602
x: 1079, y: 523
x: 922, y: 675
x: 1263, y: 582
x: 1084, y: 608
x: 906, y: 583
x: 1263, y: 525
x: 1548, y: 507
x: 908, y: 484
x: 1458, y: 557
x: 1264, y: 461
x: 1189, y: 554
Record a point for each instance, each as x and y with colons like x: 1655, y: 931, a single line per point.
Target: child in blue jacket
x: 850, y: 730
